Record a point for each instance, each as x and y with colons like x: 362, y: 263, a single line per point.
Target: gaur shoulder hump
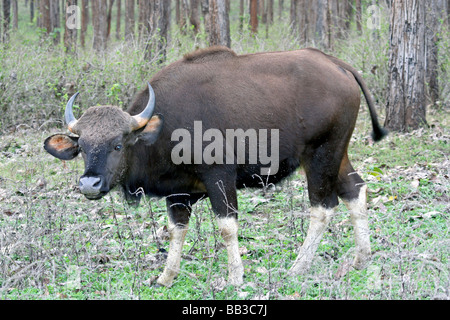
x: 215, y: 53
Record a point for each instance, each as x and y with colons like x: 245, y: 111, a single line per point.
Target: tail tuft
x: 379, y: 133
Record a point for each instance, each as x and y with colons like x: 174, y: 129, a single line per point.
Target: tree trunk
x: 84, y: 21
x: 44, y: 11
x: 15, y: 15
x: 160, y: 17
x: 55, y: 21
x: 322, y: 24
x: 144, y: 26
x: 254, y: 16
x: 100, y: 24
x: 433, y: 33
x: 405, y: 108
x: 31, y: 10
x: 6, y: 20
x: 129, y: 19
x: 358, y: 15
x: 183, y: 15
x: 206, y: 17
x: 194, y: 16
x: 219, y: 33
x: 109, y: 17
x: 70, y: 30
x: 119, y: 14
x: 241, y: 15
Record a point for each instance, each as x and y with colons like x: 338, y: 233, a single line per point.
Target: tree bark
x: 144, y: 25
x: 254, y: 16
x: 45, y: 21
x: 405, y: 108
x: 129, y: 19
x: 358, y: 15
x: 160, y: 17
x: 194, y: 15
x: 119, y: 14
x: 6, y: 20
x: 109, y: 18
x: 219, y: 33
x: 84, y: 21
x: 433, y: 32
x: 15, y: 15
x: 100, y: 25
x: 31, y: 10
x: 55, y: 21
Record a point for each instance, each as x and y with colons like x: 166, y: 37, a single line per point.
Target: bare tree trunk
x: 433, y: 32
x: 119, y: 14
x: 15, y: 15
x: 206, y: 17
x: 268, y: 15
x: 45, y: 22
x: 31, y: 10
x: 6, y: 20
x: 219, y: 33
x: 261, y: 11
x: 194, y: 16
x: 129, y: 19
x: 70, y: 32
x: 144, y: 25
x: 160, y: 17
x: 84, y: 21
x: 405, y: 108
x: 109, y: 17
x: 322, y: 25
x: 55, y: 21
x: 280, y: 8
x: 254, y: 16
x: 183, y: 15
x: 241, y: 15
x: 269, y: 11
x: 358, y: 15
x: 99, y: 22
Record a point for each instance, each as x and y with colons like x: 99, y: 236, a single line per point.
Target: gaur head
x: 103, y: 135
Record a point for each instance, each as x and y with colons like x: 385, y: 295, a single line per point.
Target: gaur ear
x: 62, y: 146
x: 152, y: 130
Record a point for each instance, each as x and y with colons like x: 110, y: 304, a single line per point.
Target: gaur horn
x: 70, y: 118
x: 142, y: 118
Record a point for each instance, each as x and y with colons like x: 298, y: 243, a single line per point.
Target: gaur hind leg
x: 353, y: 191
x: 179, y: 210
x: 321, y: 172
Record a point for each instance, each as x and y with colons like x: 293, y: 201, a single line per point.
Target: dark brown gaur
x: 311, y: 99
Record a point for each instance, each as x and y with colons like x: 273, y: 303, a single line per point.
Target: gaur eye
x: 118, y: 147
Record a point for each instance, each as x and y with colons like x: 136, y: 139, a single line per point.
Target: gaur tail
x: 378, y: 132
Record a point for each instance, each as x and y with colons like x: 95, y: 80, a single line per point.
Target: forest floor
x: 55, y: 244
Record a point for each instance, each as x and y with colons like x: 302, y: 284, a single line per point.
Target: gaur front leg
x: 179, y: 210
x: 222, y: 193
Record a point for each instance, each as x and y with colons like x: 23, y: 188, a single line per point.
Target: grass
x: 57, y: 245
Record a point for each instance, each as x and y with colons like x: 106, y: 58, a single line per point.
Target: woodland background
x: 56, y: 244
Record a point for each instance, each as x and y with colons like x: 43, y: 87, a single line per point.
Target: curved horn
x: 68, y: 114
x: 142, y: 118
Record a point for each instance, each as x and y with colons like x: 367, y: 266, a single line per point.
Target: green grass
x: 57, y: 245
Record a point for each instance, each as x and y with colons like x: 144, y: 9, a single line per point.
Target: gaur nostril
x: 90, y: 185
x: 97, y: 183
